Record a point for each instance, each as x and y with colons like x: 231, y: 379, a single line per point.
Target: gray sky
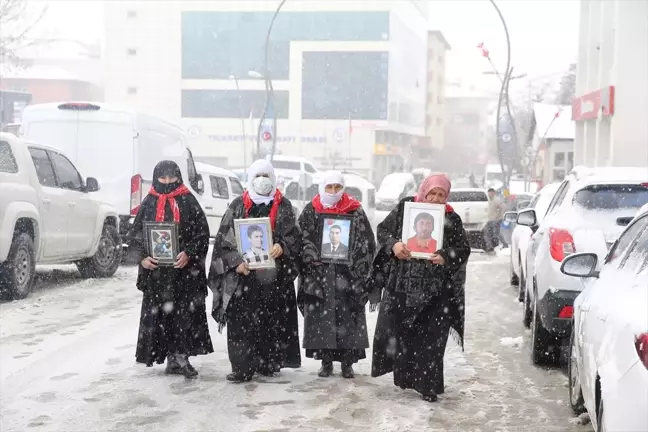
x: 544, y: 33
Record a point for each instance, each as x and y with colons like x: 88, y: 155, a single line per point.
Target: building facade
x: 552, y: 141
x: 349, y: 77
x: 611, y: 104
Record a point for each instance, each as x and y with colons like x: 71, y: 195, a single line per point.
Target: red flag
x: 484, y: 50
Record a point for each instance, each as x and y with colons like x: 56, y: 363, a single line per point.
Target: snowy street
x: 67, y: 365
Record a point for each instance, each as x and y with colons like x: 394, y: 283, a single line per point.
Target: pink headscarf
x: 436, y: 180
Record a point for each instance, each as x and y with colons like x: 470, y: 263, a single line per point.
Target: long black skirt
x: 172, y: 321
x: 418, y: 363
x: 254, y: 331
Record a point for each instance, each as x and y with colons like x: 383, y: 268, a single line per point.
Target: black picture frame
x: 162, y: 242
x: 345, y: 223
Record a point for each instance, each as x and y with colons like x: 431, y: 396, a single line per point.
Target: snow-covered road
x: 67, y: 365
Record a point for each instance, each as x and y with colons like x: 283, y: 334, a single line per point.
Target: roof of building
x: 442, y: 38
x: 551, y: 127
x: 41, y: 72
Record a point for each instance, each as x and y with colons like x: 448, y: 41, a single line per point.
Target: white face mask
x: 262, y: 185
x: 329, y: 199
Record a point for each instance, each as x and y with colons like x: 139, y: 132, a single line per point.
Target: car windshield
x: 611, y: 197
x: 392, y: 185
x: 286, y: 165
x: 467, y: 196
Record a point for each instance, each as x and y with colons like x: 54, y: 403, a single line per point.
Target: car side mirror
x: 527, y: 218
x: 510, y: 217
x: 580, y: 265
x: 92, y: 185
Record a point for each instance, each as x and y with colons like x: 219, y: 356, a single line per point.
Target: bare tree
x: 567, y: 86
x: 15, y: 29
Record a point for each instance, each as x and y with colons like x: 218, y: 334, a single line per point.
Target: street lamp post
x: 240, y: 105
x: 506, y: 175
x: 269, y: 99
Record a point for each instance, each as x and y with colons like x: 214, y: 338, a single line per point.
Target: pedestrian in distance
x: 259, y: 307
x: 491, y: 231
x: 173, y: 320
x: 331, y: 295
x: 422, y: 300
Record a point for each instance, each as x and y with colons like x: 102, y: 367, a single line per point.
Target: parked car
x: 50, y: 215
x: 119, y: 146
x: 290, y: 167
x: 220, y: 188
x: 587, y: 214
x: 393, y: 188
x: 608, y: 362
x: 522, y: 234
x: 472, y: 206
x: 356, y: 186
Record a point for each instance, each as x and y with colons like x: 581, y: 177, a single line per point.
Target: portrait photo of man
x: 335, y: 248
x: 256, y: 253
x: 423, y: 240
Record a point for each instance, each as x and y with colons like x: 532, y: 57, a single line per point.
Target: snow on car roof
x: 211, y: 169
x: 589, y: 175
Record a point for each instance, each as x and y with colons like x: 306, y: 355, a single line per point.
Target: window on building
x: 339, y: 85
x: 240, y: 45
x: 226, y: 103
x: 131, y: 51
x: 131, y: 13
x: 558, y: 174
x: 570, y: 160
x: 559, y: 160
x: 132, y: 90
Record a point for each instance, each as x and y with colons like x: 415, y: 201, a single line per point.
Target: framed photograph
x: 162, y: 242
x: 254, y: 241
x: 423, y: 228
x: 336, y: 238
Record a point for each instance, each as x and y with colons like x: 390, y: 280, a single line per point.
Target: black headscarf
x: 166, y: 168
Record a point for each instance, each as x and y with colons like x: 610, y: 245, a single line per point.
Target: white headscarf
x: 330, y: 178
x: 261, y: 166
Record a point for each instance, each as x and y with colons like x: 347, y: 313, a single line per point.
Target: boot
x: 432, y: 397
x: 186, y: 368
x: 238, y: 377
x: 266, y: 370
x: 347, y: 370
x: 326, y: 370
x: 172, y: 366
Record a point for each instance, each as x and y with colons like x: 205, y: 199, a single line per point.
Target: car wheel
x: 575, y: 391
x: 17, y: 273
x: 526, y: 307
x: 541, y: 339
x: 107, y: 258
x: 515, y: 280
x: 522, y: 284
x: 600, y: 417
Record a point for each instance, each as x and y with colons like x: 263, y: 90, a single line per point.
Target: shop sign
x: 280, y: 138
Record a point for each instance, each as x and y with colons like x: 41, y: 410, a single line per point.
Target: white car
x: 49, y: 215
x: 608, y: 362
x: 471, y: 204
x: 587, y: 214
x: 393, y: 188
x: 290, y: 167
x: 220, y: 188
x: 522, y: 234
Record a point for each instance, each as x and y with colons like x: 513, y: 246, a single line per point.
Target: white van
x: 118, y: 146
x: 221, y: 187
x: 289, y: 167
x: 356, y: 186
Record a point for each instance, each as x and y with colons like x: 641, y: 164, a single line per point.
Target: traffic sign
x: 267, y: 136
x: 506, y: 137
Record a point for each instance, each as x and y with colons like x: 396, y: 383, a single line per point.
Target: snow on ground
x: 67, y: 365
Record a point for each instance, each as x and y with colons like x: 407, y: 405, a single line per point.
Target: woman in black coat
x: 331, y: 295
x: 259, y: 307
x: 173, y: 321
x: 423, y: 300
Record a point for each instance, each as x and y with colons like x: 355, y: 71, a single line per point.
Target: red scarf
x: 162, y: 200
x: 347, y: 204
x: 448, y: 207
x: 248, y: 203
